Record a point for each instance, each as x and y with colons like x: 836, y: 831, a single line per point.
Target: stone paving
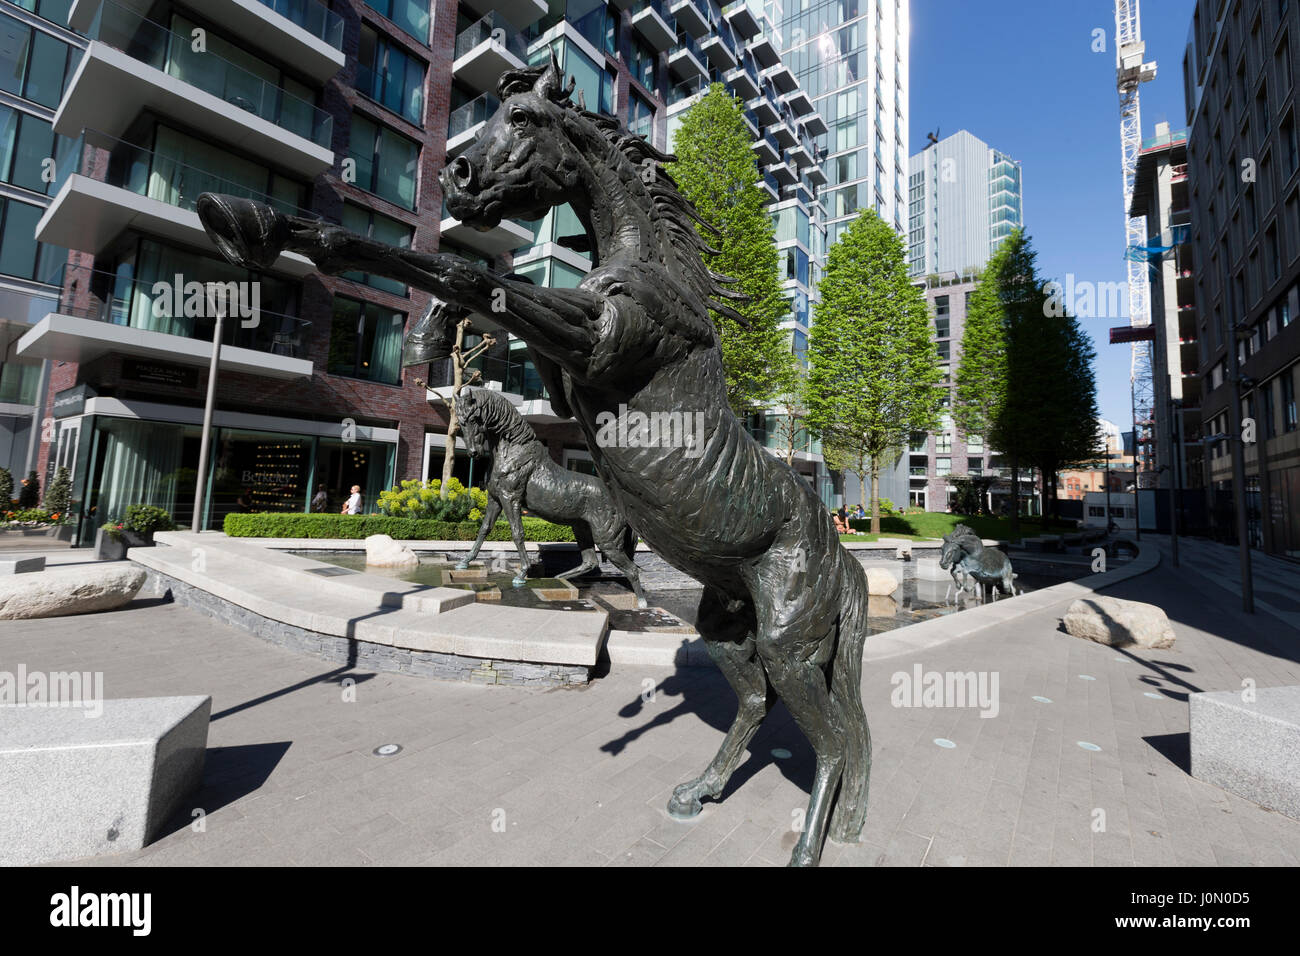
x: 504, y: 775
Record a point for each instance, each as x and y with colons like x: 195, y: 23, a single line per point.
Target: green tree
x: 717, y: 171
x: 6, y: 489
x: 59, y: 493
x: 1025, y: 379
x: 875, y: 372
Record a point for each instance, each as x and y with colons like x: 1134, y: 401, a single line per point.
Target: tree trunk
x: 875, y: 495
x: 457, y: 379
x: 1014, y: 533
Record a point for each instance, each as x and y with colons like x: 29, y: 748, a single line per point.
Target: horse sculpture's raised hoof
x: 685, y: 802
x: 462, y: 565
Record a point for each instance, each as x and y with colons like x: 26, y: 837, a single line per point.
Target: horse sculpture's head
x: 524, y: 162
x: 470, y: 408
x: 952, y: 551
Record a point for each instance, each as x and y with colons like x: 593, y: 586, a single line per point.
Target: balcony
x: 466, y: 122
x: 781, y: 78
x: 486, y: 49
x: 649, y: 21
x: 783, y: 174
x: 302, y: 33
x: 110, y: 315
x: 689, y: 17
x: 750, y: 125
x: 764, y: 110
x: 769, y: 186
x: 109, y: 186
x: 717, y: 50
x: 815, y: 175
x: 764, y: 53
x: 520, y: 13
x: 742, y: 83
x: 766, y: 150
x: 742, y: 19
x: 785, y: 136
x: 799, y: 103
x: 799, y: 153
x: 112, y: 86
x: 815, y: 125
x: 685, y: 65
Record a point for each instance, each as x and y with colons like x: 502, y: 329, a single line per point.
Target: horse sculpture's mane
x: 669, y: 209
x: 500, y: 418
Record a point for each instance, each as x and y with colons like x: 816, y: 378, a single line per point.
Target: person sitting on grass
x: 841, y: 521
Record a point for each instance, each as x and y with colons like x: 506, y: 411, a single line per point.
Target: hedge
x: 285, y: 525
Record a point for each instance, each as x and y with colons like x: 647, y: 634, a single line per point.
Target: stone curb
x: 941, y: 630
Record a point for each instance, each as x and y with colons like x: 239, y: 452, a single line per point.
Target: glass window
x: 411, y: 16
x: 390, y: 77
x: 366, y: 341
x: 372, y: 225
x: 640, y: 116
x: 46, y: 71
x: 18, y: 246
x: 386, y: 161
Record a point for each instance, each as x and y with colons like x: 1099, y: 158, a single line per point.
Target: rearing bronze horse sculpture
x: 784, y: 610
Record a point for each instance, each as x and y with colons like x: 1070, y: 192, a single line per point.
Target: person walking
x: 353, y: 505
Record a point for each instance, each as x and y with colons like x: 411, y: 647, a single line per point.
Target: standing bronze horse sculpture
x: 523, y: 475
x: 970, y: 561
x: 784, y: 609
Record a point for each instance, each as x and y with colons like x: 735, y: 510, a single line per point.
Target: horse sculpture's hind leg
x: 727, y: 629
x: 587, y: 546
x: 623, y: 556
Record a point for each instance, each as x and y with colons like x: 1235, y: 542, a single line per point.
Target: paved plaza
x: 505, y: 775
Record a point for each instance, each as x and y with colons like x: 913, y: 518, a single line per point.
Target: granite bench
x: 75, y: 783
x: 1250, y: 749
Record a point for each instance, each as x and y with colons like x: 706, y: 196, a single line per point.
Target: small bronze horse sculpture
x: 964, y: 552
x: 784, y: 609
x: 523, y: 475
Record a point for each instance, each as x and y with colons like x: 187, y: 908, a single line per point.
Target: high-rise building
x: 851, y: 57
x: 1160, y: 194
x: 1243, y: 155
x: 964, y: 198
x: 346, y: 113
x: 35, y: 59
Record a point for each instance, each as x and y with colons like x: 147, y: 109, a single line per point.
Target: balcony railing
x: 136, y: 303
x: 173, y: 53
x: 157, y: 175
x: 492, y: 26
x: 469, y: 115
x: 317, y: 19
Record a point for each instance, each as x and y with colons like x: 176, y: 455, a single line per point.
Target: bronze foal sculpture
x: 784, y: 610
x: 523, y: 475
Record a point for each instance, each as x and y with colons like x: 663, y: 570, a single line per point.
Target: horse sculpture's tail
x: 850, y: 813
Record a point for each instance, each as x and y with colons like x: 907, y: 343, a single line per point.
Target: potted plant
x: 135, y: 530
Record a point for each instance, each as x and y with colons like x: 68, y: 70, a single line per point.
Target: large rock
x: 74, y: 787
x: 881, y: 581
x: 74, y: 589
x: 1112, y: 621
x: 383, y: 552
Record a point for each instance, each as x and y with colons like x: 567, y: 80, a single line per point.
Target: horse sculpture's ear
x: 551, y: 83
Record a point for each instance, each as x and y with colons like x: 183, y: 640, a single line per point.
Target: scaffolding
x: 1131, y: 71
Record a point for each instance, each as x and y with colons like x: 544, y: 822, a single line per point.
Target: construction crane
x: 1130, y: 73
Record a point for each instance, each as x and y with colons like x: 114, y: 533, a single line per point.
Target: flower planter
x: 108, y: 548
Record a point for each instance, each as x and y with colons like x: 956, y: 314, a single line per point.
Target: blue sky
x: 1022, y: 76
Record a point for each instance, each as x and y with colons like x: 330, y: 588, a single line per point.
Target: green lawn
x: 934, y: 524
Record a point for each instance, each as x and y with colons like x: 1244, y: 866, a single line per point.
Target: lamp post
x: 1235, y: 443
x: 215, y: 296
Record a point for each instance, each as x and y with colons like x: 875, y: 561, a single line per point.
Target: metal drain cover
x: 330, y: 572
x: 387, y: 750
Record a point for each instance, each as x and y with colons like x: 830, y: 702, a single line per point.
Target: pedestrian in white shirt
x: 353, y: 506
